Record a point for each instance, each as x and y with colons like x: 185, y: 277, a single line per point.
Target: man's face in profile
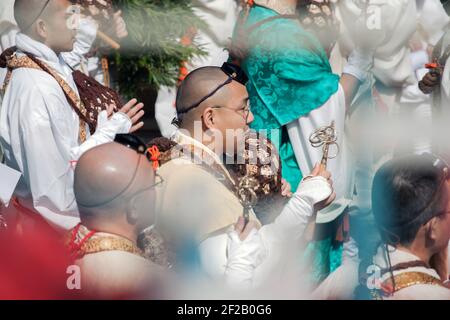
x: 234, y: 117
x: 61, y: 25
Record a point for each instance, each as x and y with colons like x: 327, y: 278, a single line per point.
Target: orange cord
x: 154, y: 152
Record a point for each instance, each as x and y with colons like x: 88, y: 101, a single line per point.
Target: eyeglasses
x: 234, y: 73
x: 244, y: 112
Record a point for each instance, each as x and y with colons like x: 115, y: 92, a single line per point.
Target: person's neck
x: 200, y: 136
x: 42, y: 41
x: 114, y: 228
x: 418, y: 250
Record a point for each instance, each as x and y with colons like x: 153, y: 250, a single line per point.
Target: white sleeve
x: 350, y: 252
x: 292, y: 221
x: 165, y: 110
x: 433, y: 20
x: 341, y: 284
x: 226, y: 258
x: 106, y: 132
x: 243, y: 258
x: 281, y: 237
x: 86, y: 35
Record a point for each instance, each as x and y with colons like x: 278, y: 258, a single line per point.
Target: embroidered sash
x: 14, y: 62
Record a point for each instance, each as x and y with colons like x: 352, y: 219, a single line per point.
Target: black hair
x: 407, y: 192
x: 446, y: 5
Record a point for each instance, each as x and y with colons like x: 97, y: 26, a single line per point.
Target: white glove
x: 86, y: 35
x: 360, y: 63
x: 296, y: 214
x: 350, y: 251
x: 243, y: 258
x: 106, y: 131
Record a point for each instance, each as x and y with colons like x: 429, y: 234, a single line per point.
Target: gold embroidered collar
x: 82, y: 241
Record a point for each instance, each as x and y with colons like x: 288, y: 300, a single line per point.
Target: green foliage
x: 152, y: 53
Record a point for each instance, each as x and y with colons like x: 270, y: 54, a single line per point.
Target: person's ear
x: 431, y: 229
x: 41, y: 29
x: 132, y: 212
x: 208, y: 117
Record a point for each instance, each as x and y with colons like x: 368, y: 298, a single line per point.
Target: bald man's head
x: 26, y: 12
x: 111, y: 180
x: 46, y: 21
x: 224, y: 113
x: 198, y: 84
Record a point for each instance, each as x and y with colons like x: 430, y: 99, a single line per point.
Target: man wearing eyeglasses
x: 44, y: 126
x: 198, y: 200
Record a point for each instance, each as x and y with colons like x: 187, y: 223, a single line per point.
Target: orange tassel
x: 432, y: 65
x: 154, y: 152
x: 183, y: 72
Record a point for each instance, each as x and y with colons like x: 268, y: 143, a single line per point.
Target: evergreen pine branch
x: 152, y: 53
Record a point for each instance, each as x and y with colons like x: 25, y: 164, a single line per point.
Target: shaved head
x: 47, y: 21
x: 224, y: 115
x: 198, y: 84
x: 107, y: 177
x: 26, y: 12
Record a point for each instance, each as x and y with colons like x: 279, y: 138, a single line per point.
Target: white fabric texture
x: 40, y: 135
x: 8, y: 31
x: 86, y: 35
x: 432, y: 20
x: 276, y: 241
x: 342, y: 283
x: 359, y: 64
x: 391, y: 25
x: 243, y: 258
x: 220, y: 15
x: 6, y: 15
x: 307, y: 156
x: 106, y: 132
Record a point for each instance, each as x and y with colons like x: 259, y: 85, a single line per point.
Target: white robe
x: 280, y: 246
x: 205, y: 209
x: 396, y: 22
x: 441, y: 128
x: 7, y: 24
x: 341, y: 284
x: 431, y: 19
x: 220, y: 15
x: 115, y: 273
x: 8, y: 30
x: 39, y: 131
x: 307, y: 156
